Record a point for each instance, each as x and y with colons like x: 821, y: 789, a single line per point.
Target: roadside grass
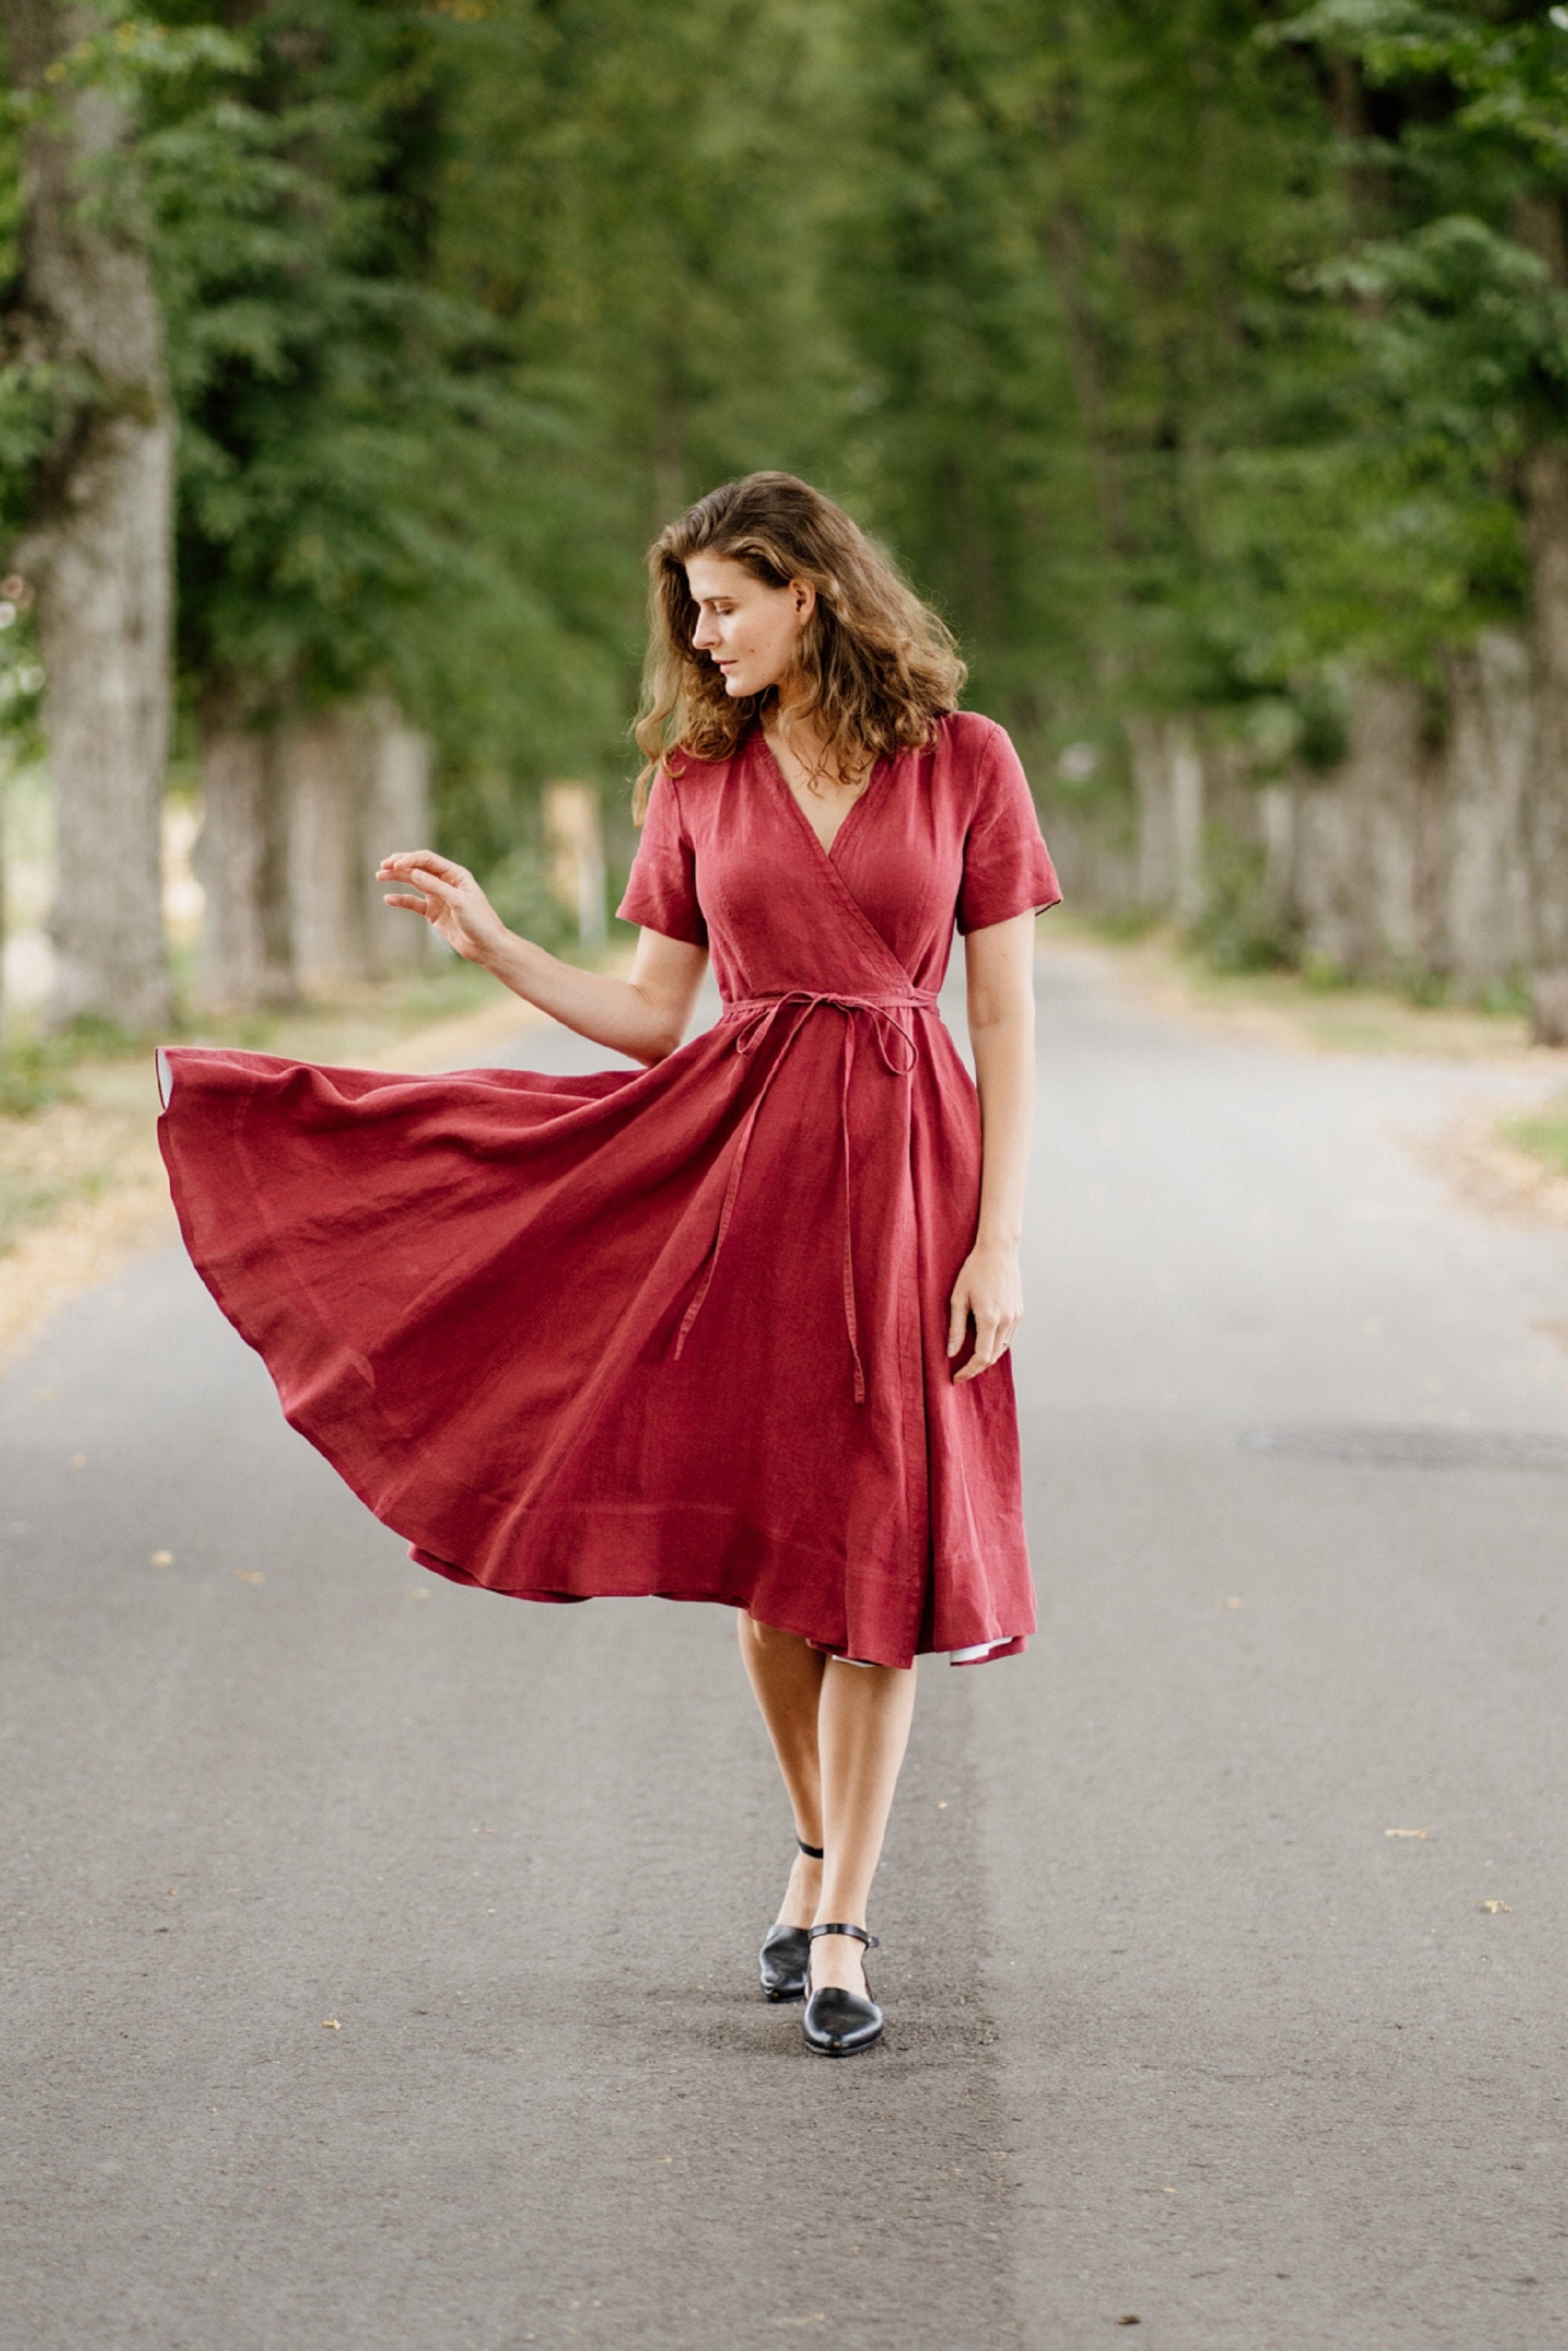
x: 1543, y: 1134
x: 1316, y: 1006
x: 78, y: 1112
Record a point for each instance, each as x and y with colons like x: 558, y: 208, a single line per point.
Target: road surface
x: 380, y: 1964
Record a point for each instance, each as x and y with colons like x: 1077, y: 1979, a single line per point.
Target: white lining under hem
x: 957, y: 1657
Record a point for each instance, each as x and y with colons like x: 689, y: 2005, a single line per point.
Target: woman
x: 732, y: 1326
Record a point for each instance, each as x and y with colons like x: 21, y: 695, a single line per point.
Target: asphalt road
x: 1179, y: 2033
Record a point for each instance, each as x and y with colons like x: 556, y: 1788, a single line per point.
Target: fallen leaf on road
x: 161, y: 1558
x: 78, y: 1460
x: 422, y: 1592
x: 1495, y: 1907
x: 249, y: 1575
x: 1224, y: 1603
x: 331, y: 2025
x: 46, y: 1395
x: 1415, y: 1832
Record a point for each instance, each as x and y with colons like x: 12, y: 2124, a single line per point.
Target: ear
x: 805, y: 597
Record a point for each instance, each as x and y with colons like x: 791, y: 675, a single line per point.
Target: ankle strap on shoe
x: 859, y: 1933
x: 812, y: 1852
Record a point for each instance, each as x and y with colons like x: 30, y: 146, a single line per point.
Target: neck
x: 789, y: 714
x: 802, y: 733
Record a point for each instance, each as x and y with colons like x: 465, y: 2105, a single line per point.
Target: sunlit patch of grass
x: 1318, y: 1002
x: 78, y: 1107
x: 1125, y: 923
x: 36, y: 1068
x: 1544, y: 1134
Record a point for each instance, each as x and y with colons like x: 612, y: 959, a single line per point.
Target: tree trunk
x: 574, y: 835
x: 330, y: 779
x: 359, y: 788
x: 2, y: 909
x: 1168, y: 782
x: 1365, y: 861
x: 1546, y: 537
x: 100, y: 544
x: 1486, y: 761
x: 397, y: 818
x: 242, y: 863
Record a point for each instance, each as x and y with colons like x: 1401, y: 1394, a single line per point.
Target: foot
x: 839, y: 1961
x: 841, y: 2018
x: 799, y: 1907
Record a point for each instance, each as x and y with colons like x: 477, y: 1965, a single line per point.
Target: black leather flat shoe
x: 840, y: 2023
x: 784, y: 1962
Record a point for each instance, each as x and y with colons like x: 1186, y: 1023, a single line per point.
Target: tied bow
x: 898, y: 1052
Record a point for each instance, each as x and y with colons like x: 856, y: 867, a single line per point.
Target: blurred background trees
x: 1205, y: 360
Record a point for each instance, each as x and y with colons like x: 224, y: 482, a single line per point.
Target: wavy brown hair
x: 880, y: 667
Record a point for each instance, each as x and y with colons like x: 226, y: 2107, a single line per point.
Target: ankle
x: 802, y: 1894
x: 839, y: 1960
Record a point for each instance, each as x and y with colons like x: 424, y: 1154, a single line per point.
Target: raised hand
x: 452, y: 902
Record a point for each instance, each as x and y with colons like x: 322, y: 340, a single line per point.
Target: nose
x: 704, y: 634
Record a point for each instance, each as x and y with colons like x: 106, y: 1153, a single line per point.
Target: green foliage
x: 339, y: 420
x: 1188, y: 354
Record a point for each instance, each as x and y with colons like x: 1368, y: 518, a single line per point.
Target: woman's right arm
x: 643, y: 1016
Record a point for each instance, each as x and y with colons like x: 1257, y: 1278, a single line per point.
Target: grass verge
x: 1317, y: 1009
x: 1543, y: 1134
x: 81, y: 1182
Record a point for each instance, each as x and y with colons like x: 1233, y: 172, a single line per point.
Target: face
x: 748, y: 630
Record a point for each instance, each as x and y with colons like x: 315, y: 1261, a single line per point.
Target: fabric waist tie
x: 898, y: 1051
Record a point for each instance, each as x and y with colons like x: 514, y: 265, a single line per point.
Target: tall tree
x: 83, y: 342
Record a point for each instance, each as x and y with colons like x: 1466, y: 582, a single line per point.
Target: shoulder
x: 970, y: 743
x: 693, y: 782
x: 974, y: 759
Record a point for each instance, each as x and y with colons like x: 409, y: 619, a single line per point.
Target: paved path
x: 1178, y: 2031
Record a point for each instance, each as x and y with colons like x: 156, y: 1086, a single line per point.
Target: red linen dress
x: 680, y: 1330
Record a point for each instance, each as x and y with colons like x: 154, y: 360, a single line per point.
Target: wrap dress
x: 683, y: 1329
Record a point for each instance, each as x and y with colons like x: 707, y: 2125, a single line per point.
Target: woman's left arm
x: 1000, y: 963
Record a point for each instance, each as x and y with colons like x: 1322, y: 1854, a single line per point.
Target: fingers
x: 436, y: 886
x: 401, y: 864
x: 994, y: 1334
x: 957, y: 1319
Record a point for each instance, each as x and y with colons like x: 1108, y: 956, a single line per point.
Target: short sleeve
x: 662, y: 891
x: 1006, y: 867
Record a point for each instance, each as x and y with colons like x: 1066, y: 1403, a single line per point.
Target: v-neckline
x: 830, y: 849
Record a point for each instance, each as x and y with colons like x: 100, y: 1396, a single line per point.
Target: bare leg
x: 862, y: 1729
x: 838, y: 1732
x: 786, y: 1677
